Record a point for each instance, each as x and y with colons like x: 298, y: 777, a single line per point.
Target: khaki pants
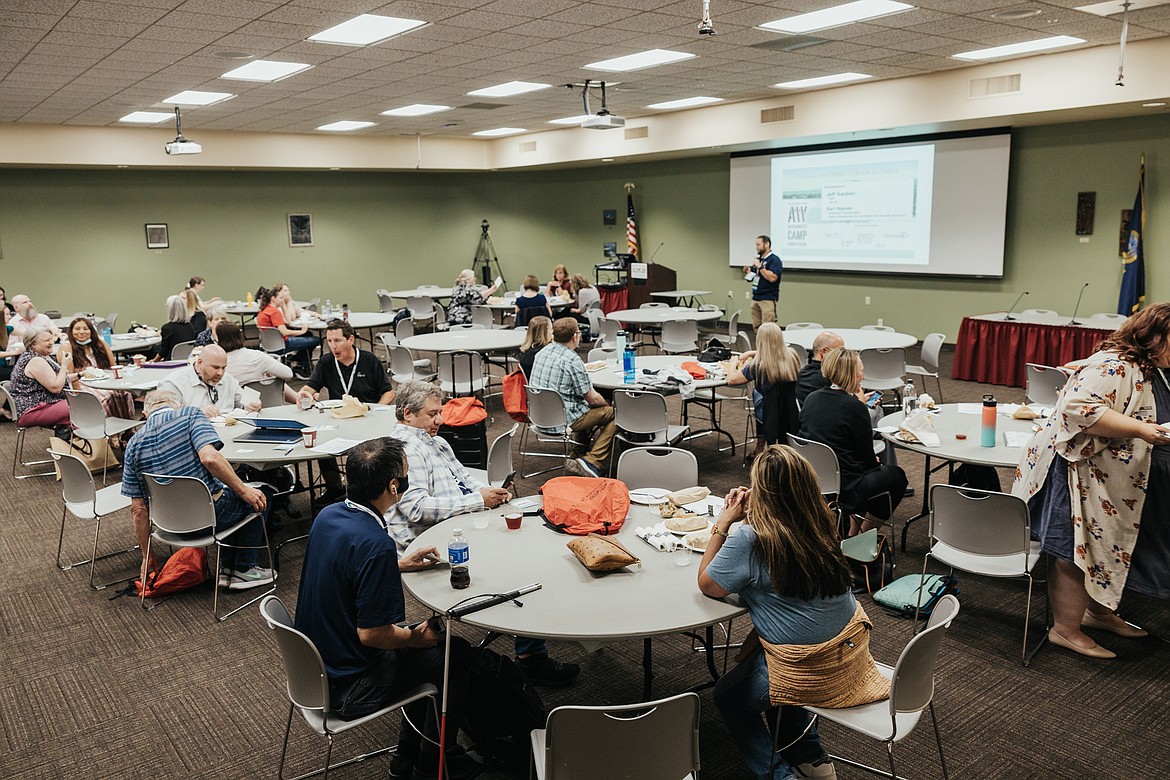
x: 599, y: 418
x: 763, y: 311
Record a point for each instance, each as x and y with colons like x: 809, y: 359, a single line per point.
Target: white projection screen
x: 931, y: 205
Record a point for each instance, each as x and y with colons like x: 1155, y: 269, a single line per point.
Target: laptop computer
x: 272, y: 431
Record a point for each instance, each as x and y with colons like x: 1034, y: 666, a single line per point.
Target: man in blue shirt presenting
x: 766, y: 284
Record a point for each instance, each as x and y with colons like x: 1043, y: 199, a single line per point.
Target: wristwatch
x: 717, y: 531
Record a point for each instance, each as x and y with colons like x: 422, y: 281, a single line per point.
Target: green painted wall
x: 74, y: 239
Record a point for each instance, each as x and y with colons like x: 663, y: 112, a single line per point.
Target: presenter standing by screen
x: 766, y: 282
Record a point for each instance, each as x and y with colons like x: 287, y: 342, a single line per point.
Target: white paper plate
x: 668, y: 529
x: 330, y: 404
x: 696, y: 541
x: 648, y: 496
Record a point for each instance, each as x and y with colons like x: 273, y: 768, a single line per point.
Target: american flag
x: 631, y: 226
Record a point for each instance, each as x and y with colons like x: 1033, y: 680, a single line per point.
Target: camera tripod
x: 485, y: 255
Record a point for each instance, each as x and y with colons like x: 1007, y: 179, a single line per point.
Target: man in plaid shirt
x: 559, y: 367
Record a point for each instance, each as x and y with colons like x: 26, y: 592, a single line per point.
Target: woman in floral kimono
x: 1097, y: 480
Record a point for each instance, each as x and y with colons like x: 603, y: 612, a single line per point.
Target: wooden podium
x: 658, y: 279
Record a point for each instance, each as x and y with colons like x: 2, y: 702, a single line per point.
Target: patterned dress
x: 463, y: 297
x: 117, y: 403
x: 1107, y: 478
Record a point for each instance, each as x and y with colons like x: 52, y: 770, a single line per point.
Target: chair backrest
x: 271, y: 341
x: 931, y: 347
x: 596, y: 318
x: 499, y: 458
x: 601, y: 353
x: 655, y: 305
x: 401, y: 361
x: 804, y: 326
x: 823, y: 460
x: 1109, y: 317
x: 650, y: 739
x: 525, y: 315
x: 742, y: 343
x: 640, y: 411
x: 271, y: 392
x: 404, y: 329
x: 609, y: 330
x: 305, y: 678
x: 680, y: 336
x: 882, y: 328
x: 460, y: 369
x: 440, y: 312
x: 76, y: 480
x: 801, y: 353
x: 980, y: 522
x: 183, y: 349
x: 733, y: 324
x: 669, y: 468
x: 912, y: 686
x: 389, y: 340
x: 1043, y: 383
x: 53, y: 314
x: 179, y: 504
x: 546, y: 408
x: 884, y: 363
x: 112, y: 321
x: 421, y: 307
x: 6, y: 401
x: 85, y: 410
x: 482, y: 315
x: 1041, y: 312
x: 385, y: 302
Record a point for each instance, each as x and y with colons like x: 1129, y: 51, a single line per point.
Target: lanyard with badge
x: 360, y: 508
x: 357, y: 353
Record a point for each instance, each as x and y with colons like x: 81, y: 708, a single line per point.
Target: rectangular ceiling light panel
x: 193, y: 97
x: 366, y: 29
x: 344, y: 126
x: 644, y: 59
x: 836, y: 16
x: 146, y: 117
x: 1015, y: 49
x: 500, y: 131
x: 509, y: 89
x: 690, y: 102
x: 265, y: 70
x: 416, y: 109
x: 823, y: 81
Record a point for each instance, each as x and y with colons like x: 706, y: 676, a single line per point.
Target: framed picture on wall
x: 157, y: 237
x: 300, y: 229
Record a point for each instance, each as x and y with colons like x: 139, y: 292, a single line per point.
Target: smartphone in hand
x: 874, y: 397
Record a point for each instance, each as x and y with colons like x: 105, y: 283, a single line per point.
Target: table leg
x: 647, y: 671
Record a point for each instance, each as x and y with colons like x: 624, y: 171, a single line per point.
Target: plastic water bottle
x: 629, y: 374
x: 909, y: 399
x: 107, y: 334
x: 987, y: 430
x: 621, y: 342
x: 459, y: 555
x: 345, y: 312
x: 248, y: 298
x: 328, y: 308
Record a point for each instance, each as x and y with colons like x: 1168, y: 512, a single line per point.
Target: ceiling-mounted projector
x: 181, y: 145
x: 604, y: 121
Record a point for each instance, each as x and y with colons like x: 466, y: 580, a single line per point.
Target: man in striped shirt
x: 179, y: 441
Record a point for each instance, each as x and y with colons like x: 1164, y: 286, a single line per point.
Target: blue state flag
x: 1133, y: 274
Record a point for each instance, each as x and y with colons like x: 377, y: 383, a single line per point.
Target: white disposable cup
x: 682, y: 553
x: 481, y: 522
x: 306, y: 403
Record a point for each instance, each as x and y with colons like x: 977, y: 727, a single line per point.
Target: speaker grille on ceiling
x: 527, y: 146
x: 996, y: 85
x: 634, y: 133
x: 777, y: 114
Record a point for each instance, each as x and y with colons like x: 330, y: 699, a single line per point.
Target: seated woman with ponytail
x: 272, y: 301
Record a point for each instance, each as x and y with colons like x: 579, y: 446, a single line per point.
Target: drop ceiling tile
x: 180, y: 34
x: 478, y: 20
x: 204, y: 22
x: 243, y: 9
x: 13, y: 35
x: 30, y: 21
x: 113, y: 29
x: 56, y: 7
x: 532, y: 8
x: 116, y: 12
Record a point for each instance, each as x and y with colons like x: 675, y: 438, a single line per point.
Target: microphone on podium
x: 1008, y: 314
x: 1077, y: 308
x: 655, y: 253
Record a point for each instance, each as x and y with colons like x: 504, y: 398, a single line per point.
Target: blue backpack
x: 902, y: 596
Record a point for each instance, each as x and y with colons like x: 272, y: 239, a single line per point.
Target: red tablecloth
x: 614, y: 300
x: 995, y: 351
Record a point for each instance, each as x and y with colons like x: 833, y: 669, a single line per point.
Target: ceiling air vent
x: 790, y: 43
x: 778, y: 114
x: 996, y: 85
x: 527, y: 146
x: 483, y: 106
x: 634, y: 133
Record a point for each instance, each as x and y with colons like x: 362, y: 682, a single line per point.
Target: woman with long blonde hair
x: 774, y: 369
x: 784, y: 561
x: 538, y: 337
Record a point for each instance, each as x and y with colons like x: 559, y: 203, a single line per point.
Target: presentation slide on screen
x: 928, y: 206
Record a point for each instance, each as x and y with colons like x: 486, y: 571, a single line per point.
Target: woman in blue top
x: 531, y: 302
x: 785, y: 563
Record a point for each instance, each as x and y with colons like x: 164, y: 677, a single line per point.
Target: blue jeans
x: 742, y: 698
x: 304, y: 345
x: 526, y: 645
x: 230, y: 509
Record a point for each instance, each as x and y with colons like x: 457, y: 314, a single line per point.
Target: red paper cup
x: 513, y: 520
x: 309, y: 437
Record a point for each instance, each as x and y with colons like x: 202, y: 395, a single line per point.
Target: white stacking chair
x: 1043, y: 384
x: 602, y: 353
x: 390, y: 341
x: 884, y: 369
x: 881, y: 328
x: 654, y: 739
x: 422, y: 310
x: 546, y: 409
x: 655, y: 305
x: 91, y: 423
x: 668, y: 468
x: 801, y: 353
x: 183, y: 350
x: 804, y: 326
x: 642, y: 420
x: 911, y: 691
x: 983, y: 532
x: 21, y: 432
x: 271, y: 392
x: 931, y: 348
x: 482, y: 316
x: 182, y: 514
x: 729, y: 337
x: 440, y: 315
x: 499, y: 460
x: 385, y: 302
x: 680, y: 337
x: 307, y: 686
x: 1040, y: 312
x: 596, y: 323
x: 461, y: 373
x: 404, y: 367
x: 1107, y: 319
x: 85, y: 502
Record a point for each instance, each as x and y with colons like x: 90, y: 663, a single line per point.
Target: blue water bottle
x: 987, y: 431
x: 107, y: 334
x: 629, y: 375
x: 459, y: 555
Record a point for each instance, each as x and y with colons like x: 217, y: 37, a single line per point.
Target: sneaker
x: 458, y: 766
x: 252, y: 578
x: 821, y: 768
x: 548, y: 672
x: 401, y: 768
x: 587, y: 468
x: 225, y: 577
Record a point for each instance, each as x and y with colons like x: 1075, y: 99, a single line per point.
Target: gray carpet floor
x: 98, y: 688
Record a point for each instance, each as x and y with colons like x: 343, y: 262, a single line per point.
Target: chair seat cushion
x: 873, y: 720
x: 1014, y: 565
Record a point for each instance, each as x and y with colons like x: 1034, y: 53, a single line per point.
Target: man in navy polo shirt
x: 351, y: 602
x: 766, y: 285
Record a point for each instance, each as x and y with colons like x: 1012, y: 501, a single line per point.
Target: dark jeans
x: 303, y: 346
x: 396, y: 672
x: 229, y: 509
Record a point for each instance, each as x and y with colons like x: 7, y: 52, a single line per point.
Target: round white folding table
x: 424, y: 292
x: 684, y: 297
x: 358, y: 320
x: 573, y: 603
x: 855, y: 338
x: 131, y: 342
x: 612, y: 377
x: 950, y: 424
x: 660, y: 314
x: 133, y: 380
x: 465, y: 339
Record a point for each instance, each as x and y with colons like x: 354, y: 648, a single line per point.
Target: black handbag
x: 715, y: 352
